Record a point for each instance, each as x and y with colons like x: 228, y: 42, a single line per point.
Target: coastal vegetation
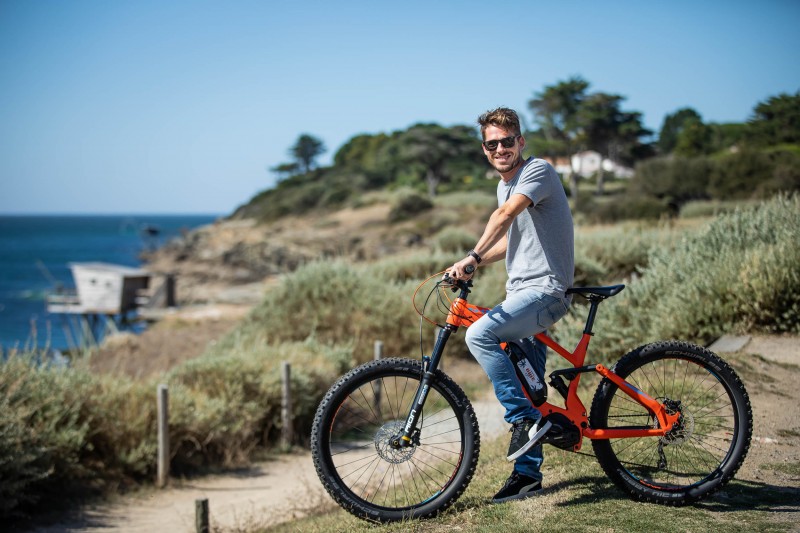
x: 73, y: 428
x: 690, y: 161
x: 704, y: 236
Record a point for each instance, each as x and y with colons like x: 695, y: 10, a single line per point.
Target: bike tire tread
x: 606, y: 456
x: 362, y: 511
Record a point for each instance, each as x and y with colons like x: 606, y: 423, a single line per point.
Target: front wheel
x: 705, y: 448
x: 353, y: 427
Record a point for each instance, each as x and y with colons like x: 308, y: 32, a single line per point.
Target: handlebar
x: 459, y: 284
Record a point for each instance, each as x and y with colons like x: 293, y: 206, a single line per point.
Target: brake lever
x: 456, y: 283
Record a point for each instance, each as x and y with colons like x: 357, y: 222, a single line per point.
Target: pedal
x: 563, y: 433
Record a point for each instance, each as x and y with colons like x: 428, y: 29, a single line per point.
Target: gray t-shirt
x: 540, y: 253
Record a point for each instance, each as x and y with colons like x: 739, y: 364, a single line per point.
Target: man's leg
x: 518, y: 317
x: 515, y: 318
x: 522, y: 315
x: 530, y: 463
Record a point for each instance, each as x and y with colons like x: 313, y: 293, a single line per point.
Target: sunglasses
x: 507, y: 142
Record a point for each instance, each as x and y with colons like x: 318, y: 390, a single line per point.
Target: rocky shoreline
x: 222, y: 270
x: 221, y: 262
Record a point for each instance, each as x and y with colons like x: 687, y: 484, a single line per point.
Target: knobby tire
x: 350, y: 442
x: 703, y: 452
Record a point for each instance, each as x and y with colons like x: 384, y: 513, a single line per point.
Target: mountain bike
x: 670, y: 422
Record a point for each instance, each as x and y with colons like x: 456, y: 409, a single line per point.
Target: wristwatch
x: 475, y: 255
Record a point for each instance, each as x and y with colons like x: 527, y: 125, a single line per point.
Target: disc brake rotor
x: 382, y: 439
x: 683, y: 428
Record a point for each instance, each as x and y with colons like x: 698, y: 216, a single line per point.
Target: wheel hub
x: 383, y: 443
x: 682, y: 429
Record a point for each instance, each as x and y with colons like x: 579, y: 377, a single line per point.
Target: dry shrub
x: 741, y: 273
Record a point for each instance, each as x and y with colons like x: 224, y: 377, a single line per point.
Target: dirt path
x: 287, y: 487
x: 262, y: 495
x: 770, y: 368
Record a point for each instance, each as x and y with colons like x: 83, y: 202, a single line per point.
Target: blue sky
x: 180, y: 107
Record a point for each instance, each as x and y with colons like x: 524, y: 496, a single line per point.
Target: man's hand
x: 458, y: 270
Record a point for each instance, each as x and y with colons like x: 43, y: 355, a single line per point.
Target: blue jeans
x: 523, y: 314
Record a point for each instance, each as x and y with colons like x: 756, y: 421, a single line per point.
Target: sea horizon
x: 108, y: 214
x: 35, y: 252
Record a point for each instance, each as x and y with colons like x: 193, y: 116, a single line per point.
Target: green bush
x: 227, y: 403
x: 739, y: 175
x: 461, y: 199
x: 412, y: 268
x: 407, y: 204
x: 454, y: 240
x: 336, y: 303
x: 67, y: 431
x: 746, y: 174
x: 740, y: 274
x: 709, y: 208
x: 626, y: 207
x: 622, y: 249
x: 674, y: 180
x: 341, y: 304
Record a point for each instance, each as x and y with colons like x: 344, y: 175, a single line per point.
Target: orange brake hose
x: 414, y: 297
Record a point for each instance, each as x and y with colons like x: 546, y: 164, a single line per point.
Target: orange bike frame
x: 465, y: 314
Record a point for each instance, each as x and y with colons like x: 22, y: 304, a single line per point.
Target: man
x: 532, y: 231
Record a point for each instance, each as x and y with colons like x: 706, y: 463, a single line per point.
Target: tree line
x: 689, y: 159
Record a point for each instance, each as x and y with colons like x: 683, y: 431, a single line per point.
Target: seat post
x: 595, y: 295
x: 594, y: 302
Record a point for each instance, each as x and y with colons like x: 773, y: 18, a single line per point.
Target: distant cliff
x: 209, y: 261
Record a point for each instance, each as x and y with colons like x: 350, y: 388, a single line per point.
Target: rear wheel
x: 707, y: 446
x: 353, y: 427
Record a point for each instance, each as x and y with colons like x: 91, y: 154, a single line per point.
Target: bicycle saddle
x: 599, y: 292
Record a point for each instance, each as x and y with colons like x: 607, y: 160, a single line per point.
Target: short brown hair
x: 502, y: 117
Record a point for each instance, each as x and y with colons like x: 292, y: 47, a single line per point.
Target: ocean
x: 35, y: 251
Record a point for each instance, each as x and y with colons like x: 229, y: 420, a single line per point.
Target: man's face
x: 503, y: 159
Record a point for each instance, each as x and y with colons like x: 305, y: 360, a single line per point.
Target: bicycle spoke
x: 374, y: 471
x: 703, y: 438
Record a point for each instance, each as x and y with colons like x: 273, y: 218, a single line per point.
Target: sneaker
x: 524, y: 435
x: 517, y: 487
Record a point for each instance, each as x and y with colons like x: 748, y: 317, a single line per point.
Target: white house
x: 102, y: 289
x: 587, y: 163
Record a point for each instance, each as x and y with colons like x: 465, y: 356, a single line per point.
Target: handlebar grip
x: 469, y: 269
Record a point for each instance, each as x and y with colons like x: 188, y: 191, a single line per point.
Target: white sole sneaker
x: 534, y: 434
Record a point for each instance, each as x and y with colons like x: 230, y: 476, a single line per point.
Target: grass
x: 65, y: 428
x: 793, y: 469
x: 577, y: 497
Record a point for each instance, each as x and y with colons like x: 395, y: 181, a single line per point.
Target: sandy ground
x: 287, y: 487
x: 180, y: 334
x: 265, y: 494
x: 770, y: 369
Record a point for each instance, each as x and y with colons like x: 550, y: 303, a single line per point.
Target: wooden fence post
x: 286, y: 405
x: 163, y: 436
x: 201, y: 515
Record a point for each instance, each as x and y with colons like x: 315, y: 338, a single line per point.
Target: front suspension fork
x: 410, y: 433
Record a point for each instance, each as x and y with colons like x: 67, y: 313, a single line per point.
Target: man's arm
x: 496, y: 252
x: 492, y: 245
